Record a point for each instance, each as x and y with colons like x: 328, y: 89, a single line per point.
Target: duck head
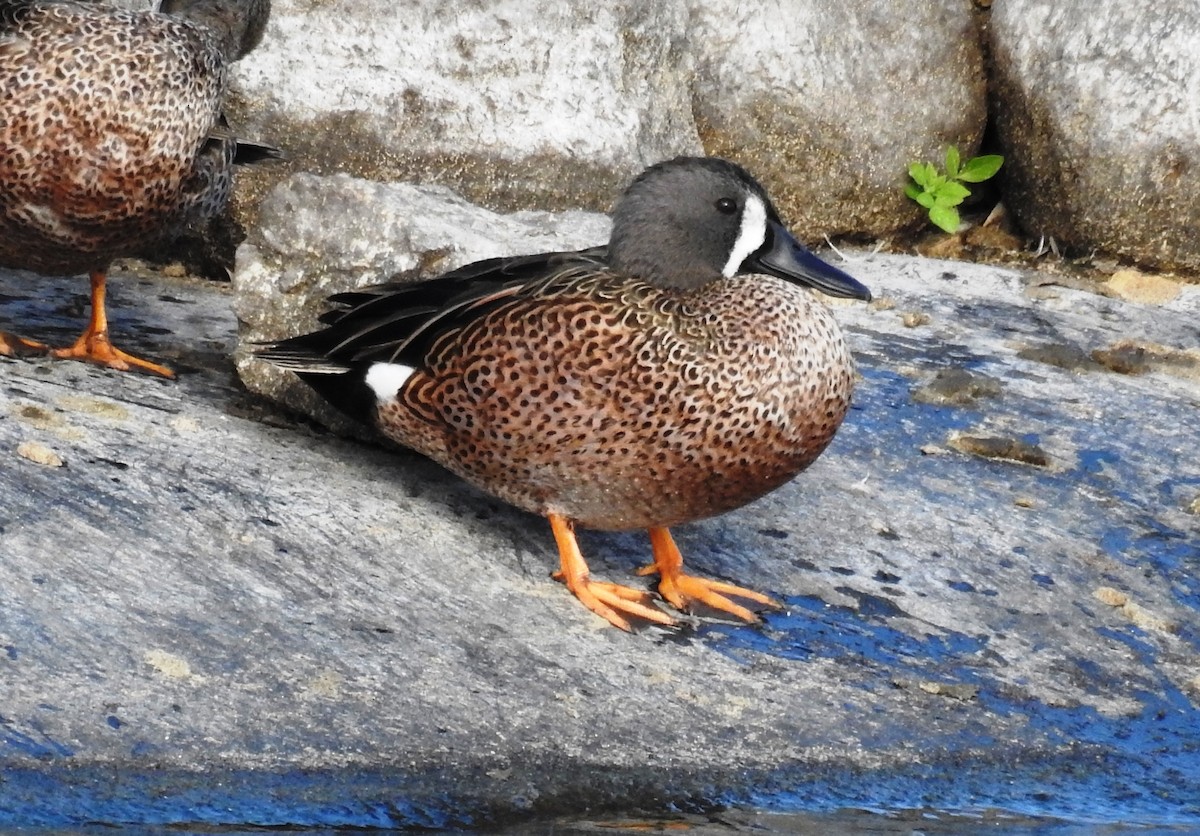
x: 692, y: 220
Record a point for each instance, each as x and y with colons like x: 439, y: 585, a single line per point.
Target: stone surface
x: 542, y: 104
x: 211, y: 614
x: 539, y: 105
x: 1096, y: 108
x: 510, y: 102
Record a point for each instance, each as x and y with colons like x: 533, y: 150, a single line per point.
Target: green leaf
x: 946, y: 217
x: 925, y: 199
x: 952, y: 162
x: 913, y: 191
x: 921, y: 173
x: 979, y: 169
x: 951, y: 194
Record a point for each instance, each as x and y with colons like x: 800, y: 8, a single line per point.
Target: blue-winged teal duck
x: 111, y: 137
x: 680, y: 372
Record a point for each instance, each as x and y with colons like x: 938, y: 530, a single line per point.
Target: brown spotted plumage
x: 633, y: 386
x: 111, y: 137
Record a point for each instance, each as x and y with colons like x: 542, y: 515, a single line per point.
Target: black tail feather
x: 250, y: 153
x: 347, y: 391
x: 342, y: 384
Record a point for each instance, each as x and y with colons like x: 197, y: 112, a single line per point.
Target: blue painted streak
x: 1139, y: 769
x: 1144, y: 768
x: 74, y: 797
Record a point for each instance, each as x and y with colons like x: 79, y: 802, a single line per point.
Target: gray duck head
x: 238, y: 24
x: 692, y: 220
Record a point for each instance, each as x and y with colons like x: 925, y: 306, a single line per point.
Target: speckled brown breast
x: 104, y: 116
x: 621, y: 406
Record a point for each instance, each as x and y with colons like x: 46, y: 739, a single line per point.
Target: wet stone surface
x: 1009, y: 449
x: 956, y: 387
x: 214, y: 613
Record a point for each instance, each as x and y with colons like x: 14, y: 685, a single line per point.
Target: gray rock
x: 540, y: 104
x: 1097, y: 110
x: 829, y: 103
x: 511, y: 103
x: 200, y: 611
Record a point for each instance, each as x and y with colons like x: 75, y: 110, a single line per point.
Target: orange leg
x: 13, y: 346
x: 94, y: 346
x: 610, y: 601
x: 682, y: 590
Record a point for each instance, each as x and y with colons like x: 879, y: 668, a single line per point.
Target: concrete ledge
x: 212, y: 614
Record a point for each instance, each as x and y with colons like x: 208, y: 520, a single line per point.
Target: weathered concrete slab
x: 540, y: 104
x: 206, y: 617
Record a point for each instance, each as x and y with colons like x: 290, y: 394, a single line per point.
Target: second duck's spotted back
x: 675, y: 374
x: 111, y: 135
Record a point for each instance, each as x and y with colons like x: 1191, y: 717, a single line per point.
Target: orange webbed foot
x: 682, y: 590
x: 94, y: 345
x: 610, y: 601
x: 13, y: 346
x: 96, y: 348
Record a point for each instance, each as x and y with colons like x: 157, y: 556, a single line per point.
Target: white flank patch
x: 386, y: 379
x: 750, y: 236
x: 49, y: 220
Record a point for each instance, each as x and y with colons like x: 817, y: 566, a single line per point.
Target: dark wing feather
x: 250, y: 153
x: 400, y: 322
x: 246, y: 152
x: 13, y: 14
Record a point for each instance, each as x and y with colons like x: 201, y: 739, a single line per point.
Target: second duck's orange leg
x: 682, y: 590
x: 610, y: 601
x: 94, y: 345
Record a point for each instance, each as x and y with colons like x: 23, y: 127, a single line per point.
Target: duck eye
x: 726, y: 206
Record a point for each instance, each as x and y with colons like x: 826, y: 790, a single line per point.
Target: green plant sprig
x: 942, y: 193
